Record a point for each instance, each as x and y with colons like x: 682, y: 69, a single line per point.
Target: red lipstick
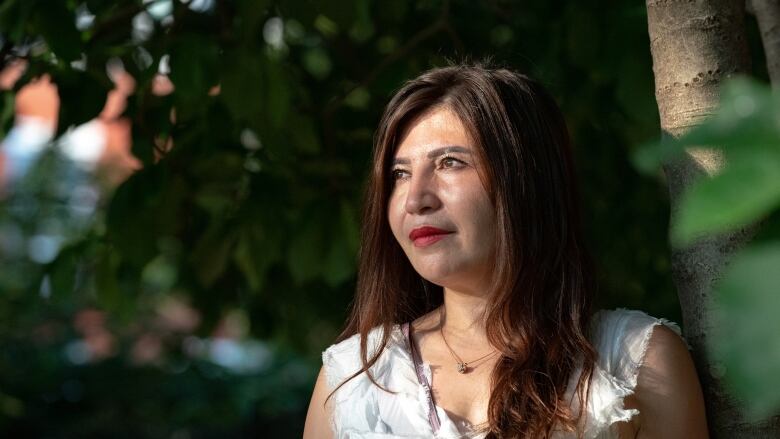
x: 425, y: 236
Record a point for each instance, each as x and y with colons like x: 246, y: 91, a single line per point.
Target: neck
x: 464, y: 313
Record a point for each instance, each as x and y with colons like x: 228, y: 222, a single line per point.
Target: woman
x: 472, y: 312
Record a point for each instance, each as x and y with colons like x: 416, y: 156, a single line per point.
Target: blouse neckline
x: 433, y: 416
x: 437, y: 416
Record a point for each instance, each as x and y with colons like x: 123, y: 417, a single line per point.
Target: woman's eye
x: 397, y: 174
x: 450, y: 162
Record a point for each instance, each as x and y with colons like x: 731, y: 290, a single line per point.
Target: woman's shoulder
x: 647, y: 357
x: 621, y: 338
x: 342, y: 359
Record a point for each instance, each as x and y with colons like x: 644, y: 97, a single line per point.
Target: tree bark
x: 767, y: 14
x: 695, y: 45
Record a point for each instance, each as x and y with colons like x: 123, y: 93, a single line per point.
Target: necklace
x: 463, y: 366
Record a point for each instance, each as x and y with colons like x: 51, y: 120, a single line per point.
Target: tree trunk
x: 767, y: 14
x: 696, y: 44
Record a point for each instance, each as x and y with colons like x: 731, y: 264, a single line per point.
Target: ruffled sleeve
x: 621, y: 338
x: 340, y: 361
x: 363, y: 410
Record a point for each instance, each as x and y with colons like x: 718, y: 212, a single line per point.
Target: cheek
x: 394, y: 217
x: 483, y: 218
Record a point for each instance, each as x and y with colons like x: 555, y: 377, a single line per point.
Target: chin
x: 434, y: 274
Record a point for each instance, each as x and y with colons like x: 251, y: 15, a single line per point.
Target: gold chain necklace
x: 463, y: 366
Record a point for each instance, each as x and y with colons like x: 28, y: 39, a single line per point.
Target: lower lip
x: 425, y: 241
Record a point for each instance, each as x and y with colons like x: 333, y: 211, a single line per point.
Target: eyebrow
x: 435, y: 153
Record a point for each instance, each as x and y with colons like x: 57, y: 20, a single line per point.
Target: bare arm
x: 668, y: 394
x: 317, y: 419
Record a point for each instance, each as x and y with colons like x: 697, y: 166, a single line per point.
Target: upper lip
x: 426, y: 231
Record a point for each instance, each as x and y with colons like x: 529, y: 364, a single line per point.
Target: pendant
x: 462, y: 367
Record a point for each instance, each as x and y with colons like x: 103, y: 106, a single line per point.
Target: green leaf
x: 212, y: 254
x: 746, y: 328
x: 744, y: 122
x: 135, y: 217
x: 82, y: 96
x: 107, y: 287
x: 307, y: 252
x: 748, y: 188
x: 194, y: 67
x: 341, y: 260
x: 304, y: 135
x: 649, y: 157
x: 278, y: 102
x: 258, y: 247
x: 242, y: 88
x: 6, y: 112
x: 58, y: 25
x: 746, y: 118
x: 338, y: 265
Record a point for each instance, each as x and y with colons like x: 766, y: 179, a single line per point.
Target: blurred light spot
x: 193, y: 346
x: 143, y: 27
x: 80, y: 64
x: 501, y: 35
x: 72, y: 390
x: 717, y: 370
x: 143, y: 59
x: 249, y: 140
x: 146, y: 349
x: 326, y: 26
x: 84, y: 18
x: 362, y: 30
x: 234, y: 325
x: 176, y: 315
x: 294, y: 31
x: 84, y: 144
x: 226, y: 352
x: 247, y: 357
x: 115, y: 68
x: 164, y: 67
x: 159, y: 9
x: 44, y: 248
x: 253, y: 164
x: 77, y: 352
x: 317, y: 62
x: 83, y: 200
x: 744, y: 105
x: 358, y: 98
x: 200, y: 5
x: 24, y: 144
x: 45, y: 289
x: 273, y: 32
x: 160, y: 273
x: 386, y: 44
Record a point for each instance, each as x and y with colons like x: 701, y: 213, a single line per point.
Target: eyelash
x: 395, y: 173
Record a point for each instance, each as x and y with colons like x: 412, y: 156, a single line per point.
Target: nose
x: 422, y: 197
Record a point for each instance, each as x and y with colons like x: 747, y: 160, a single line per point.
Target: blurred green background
x: 193, y: 300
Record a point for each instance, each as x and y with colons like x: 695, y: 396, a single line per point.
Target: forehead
x: 433, y: 129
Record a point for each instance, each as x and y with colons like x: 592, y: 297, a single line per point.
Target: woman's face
x: 439, y: 211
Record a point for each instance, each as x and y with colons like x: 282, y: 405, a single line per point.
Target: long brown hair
x: 543, y: 281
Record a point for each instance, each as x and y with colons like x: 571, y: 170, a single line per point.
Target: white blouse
x: 363, y: 410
